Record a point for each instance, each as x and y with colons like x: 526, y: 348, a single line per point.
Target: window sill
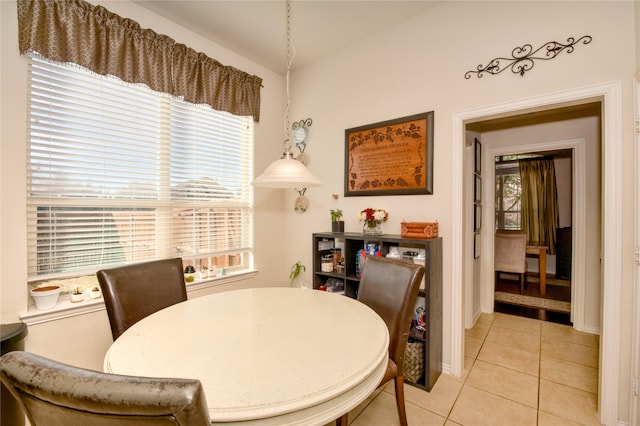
x: 66, y: 309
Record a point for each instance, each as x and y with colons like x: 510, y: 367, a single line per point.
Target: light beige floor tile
x: 546, y: 419
x: 472, y: 346
x: 485, y: 318
x: 510, y: 357
x: 388, y: 387
x: 475, y: 407
x: 526, y: 325
x: 504, y: 382
x: 581, y: 354
x: 479, y: 331
x: 363, y: 406
x: 515, y: 338
x: 360, y: 408
x: 382, y: 412
x: 468, y: 364
x: 568, y: 368
x: 565, y: 333
x: 441, y: 398
x: 569, y: 373
x: 569, y: 403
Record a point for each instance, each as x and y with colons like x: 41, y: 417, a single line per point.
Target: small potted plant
x: 337, y: 224
x: 189, y: 274
x: 295, y: 277
x: 77, y: 295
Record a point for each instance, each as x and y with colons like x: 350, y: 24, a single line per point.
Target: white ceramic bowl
x: 46, y: 297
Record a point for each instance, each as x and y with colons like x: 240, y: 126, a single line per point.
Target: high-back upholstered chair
x: 390, y: 287
x: 510, y: 251
x: 56, y: 394
x: 133, y: 292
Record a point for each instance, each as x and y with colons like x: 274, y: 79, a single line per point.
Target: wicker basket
x: 414, y: 361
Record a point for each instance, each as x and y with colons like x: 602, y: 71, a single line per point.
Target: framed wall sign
x: 393, y: 157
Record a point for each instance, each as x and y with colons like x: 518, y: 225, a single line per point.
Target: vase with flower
x: 372, y: 220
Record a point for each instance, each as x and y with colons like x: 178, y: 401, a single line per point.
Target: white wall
x: 419, y: 66
x: 83, y: 340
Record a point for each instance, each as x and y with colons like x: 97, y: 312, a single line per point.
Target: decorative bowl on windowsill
x: 95, y: 293
x: 46, y: 297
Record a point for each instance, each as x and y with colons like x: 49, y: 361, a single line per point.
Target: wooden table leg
x: 542, y: 266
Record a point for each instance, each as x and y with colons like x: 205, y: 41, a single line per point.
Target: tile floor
x: 518, y: 371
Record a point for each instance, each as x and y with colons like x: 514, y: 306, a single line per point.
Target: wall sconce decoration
x: 302, y: 202
x: 522, y: 58
x: 300, y: 135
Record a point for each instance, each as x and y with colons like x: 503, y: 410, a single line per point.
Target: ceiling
x: 256, y: 29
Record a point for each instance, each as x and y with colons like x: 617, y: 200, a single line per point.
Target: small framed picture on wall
x: 477, y: 217
x: 477, y: 151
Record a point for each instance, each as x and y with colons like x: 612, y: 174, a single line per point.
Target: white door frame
x: 578, y: 222
x: 634, y: 415
x: 611, y: 96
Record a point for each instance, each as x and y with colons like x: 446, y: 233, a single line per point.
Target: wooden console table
x: 541, y: 253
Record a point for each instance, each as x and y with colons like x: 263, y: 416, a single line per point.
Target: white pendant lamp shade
x: 287, y: 172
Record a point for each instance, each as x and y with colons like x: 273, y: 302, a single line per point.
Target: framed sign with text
x: 393, y: 157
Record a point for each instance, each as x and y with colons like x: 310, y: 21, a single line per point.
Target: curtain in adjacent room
x: 74, y: 31
x: 539, y: 202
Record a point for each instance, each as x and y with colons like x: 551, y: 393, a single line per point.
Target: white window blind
x: 120, y: 174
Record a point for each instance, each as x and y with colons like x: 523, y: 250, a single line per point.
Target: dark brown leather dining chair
x: 56, y: 394
x: 133, y: 292
x: 390, y: 287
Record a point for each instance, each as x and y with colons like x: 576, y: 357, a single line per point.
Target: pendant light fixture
x: 287, y: 172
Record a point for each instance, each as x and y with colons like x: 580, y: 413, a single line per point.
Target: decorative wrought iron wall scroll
x: 522, y: 58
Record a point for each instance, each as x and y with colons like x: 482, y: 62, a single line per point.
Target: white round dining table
x: 268, y: 356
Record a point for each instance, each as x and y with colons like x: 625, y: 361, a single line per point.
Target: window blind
x: 120, y: 174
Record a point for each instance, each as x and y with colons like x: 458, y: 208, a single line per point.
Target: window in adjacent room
x: 508, y: 191
x: 120, y: 174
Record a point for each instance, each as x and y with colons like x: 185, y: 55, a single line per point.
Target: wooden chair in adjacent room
x: 390, y: 287
x: 55, y: 394
x: 135, y: 291
x: 510, y: 252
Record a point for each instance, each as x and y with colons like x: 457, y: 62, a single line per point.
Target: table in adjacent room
x: 541, y: 253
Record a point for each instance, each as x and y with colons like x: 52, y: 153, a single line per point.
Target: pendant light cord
x: 291, y: 52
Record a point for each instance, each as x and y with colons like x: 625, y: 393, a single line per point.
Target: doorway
x: 610, y: 96
x: 573, y: 130
x: 546, y: 295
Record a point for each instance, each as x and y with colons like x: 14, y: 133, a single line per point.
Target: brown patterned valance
x: 201, y: 79
x: 78, y: 32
